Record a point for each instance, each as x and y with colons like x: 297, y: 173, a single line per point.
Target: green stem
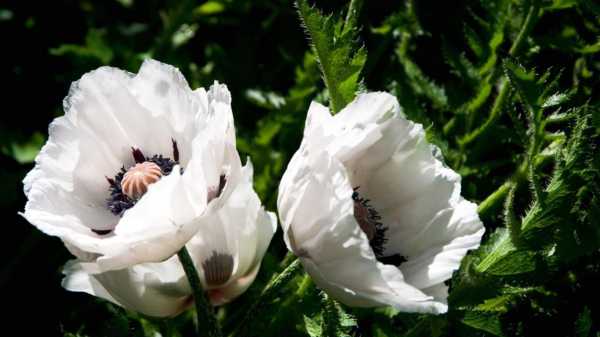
x: 207, y: 322
x: 532, y: 17
x: 287, y: 260
x: 272, y: 288
x: 494, y: 200
x: 537, y: 185
x: 304, y: 286
x: 530, y: 20
x: 492, y: 118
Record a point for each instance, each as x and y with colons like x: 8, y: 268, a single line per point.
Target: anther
x: 138, y: 155
x: 175, y: 150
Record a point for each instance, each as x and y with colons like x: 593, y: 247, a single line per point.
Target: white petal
x: 107, y: 112
x: 102, y: 106
x: 388, y: 159
x: 162, y: 89
x: 232, y: 290
x: 320, y: 227
x: 447, y: 244
x: 155, y: 228
x: 419, y: 199
x: 158, y: 290
x: 353, y: 130
x: 241, y: 229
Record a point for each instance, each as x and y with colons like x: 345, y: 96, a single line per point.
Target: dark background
x: 259, y: 49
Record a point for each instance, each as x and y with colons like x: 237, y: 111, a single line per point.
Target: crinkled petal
x: 320, y: 228
x: 107, y: 112
x: 388, y: 160
x: 241, y: 230
x: 436, y: 263
x: 158, y: 290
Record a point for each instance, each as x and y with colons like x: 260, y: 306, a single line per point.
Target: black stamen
x: 165, y: 164
x: 175, y: 151
x: 102, y: 231
x: 138, y: 156
x: 215, y: 191
x: 118, y: 202
x: 111, y: 181
x: 222, y: 182
x: 372, y: 220
x: 394, y: 260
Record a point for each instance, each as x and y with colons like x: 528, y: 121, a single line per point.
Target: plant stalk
x: 207, y: 325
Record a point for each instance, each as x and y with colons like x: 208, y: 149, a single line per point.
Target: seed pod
x: 137, y: 179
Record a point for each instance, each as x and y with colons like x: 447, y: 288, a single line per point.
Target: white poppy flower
x: 227, y: 252
x: 134, y: 165
x: 374, y: 216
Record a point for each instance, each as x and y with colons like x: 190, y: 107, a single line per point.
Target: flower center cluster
x: 369, y: 221
x: 129, y: 185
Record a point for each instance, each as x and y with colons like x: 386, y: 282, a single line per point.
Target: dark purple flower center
x: 119, y: 202
x: 369, y: 221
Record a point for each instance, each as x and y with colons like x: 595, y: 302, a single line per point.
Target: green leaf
x: 555, y: 99
x: 183, y: 34
x: 265, y: 99
x: 583, y: 324
x: 485, y: 321
x: 569, y: 215
x: 430, y: 326
x: 209, y: 8
x: 95, y: 47
x: 422, y: 85
x: 506, y: 259
x: 560, y: 4
x: 474, y: 41
x: 313, y: 328
x: 525, y: 84
x: 535, y: 92
x: 336, y: 322
x: 334, y: 45
x: 25, y: 153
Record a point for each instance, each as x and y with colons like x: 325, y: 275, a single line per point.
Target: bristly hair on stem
x: 207, y: 325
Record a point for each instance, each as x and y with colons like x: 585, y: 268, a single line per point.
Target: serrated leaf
x: 422, y: 85
x: 336, y: 321
x: 525, y: 84
x: 313, y: 328
x: 535, y: 92
x: 555, y: 99
x: 334, y: 45
x: 485, y: 321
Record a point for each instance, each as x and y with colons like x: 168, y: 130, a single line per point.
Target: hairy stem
x: 532, y: 17
x: 272, y: 288
x: 207, y: 322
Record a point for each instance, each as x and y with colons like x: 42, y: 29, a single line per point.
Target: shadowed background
x: 259, y: 49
